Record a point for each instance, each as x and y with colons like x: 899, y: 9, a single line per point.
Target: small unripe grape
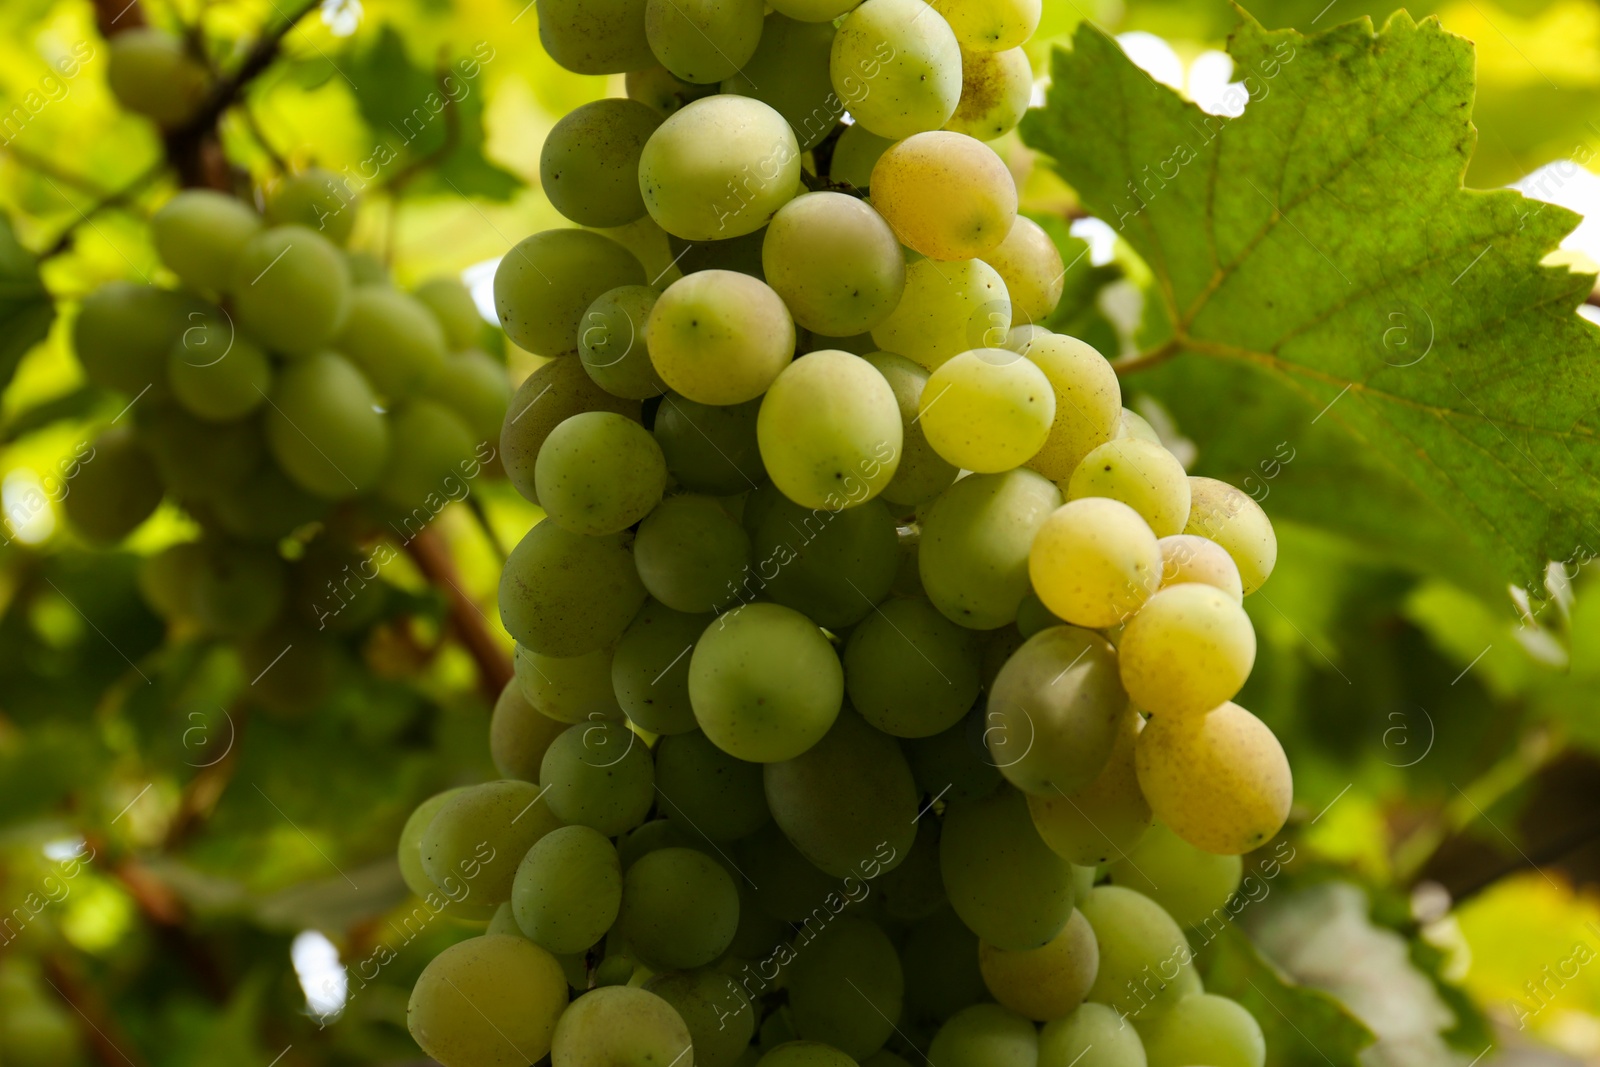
x: 589, y: 167
x: 1231, y: 518
x: 1192, y: 558
x: 1188, y: 649
x: 152, y: 73
x: 1047, y: 982
x: 987, y: 410
x: 318, y: 200
x: 1030, y: 263
x: 200, y: 234
x: 1095, y: 562
x: 719, y: 337
x: 996, y: 89
x: 917, y: 87
x: 945, y: 194
x: 595, y: 36
x: 1146, y: 477
x: 291, y: 289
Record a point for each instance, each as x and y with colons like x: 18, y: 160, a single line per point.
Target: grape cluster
x: 294, y: 403
x: 875, y: 664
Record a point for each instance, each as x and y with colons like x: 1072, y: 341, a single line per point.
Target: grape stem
x: 1148, y: 358
x: 429, y: 552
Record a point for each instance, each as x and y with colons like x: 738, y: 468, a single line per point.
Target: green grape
x: 659, y: 89
x: 1136, y: 426
x: 814, y: 10
x: 985, y: 1035
x: 510, y: 983
x: 337, y: 587
x: 758, y: 932
x: 167, y: 579
x: 922, y: 474
x: 1030, y: 263
x: 996, y: 89
x: 599, y: 775
x: 589, y: 167
x: 569, y: 689
x: 504, y: 922
x: 240, y: 590
x: 595, y: 36
x: 265, y: 507
x: 291, y: 290
x: 679, y: 908
x: 991, y: 25
x: 124, y: 333
x: 1003, y: 881
x: 217, y: 375
x: 520, y: 734
x: 564, y: 594
x: 719, y: 337
x: 567, y: 889
x: 116, y: 489
x: 324, y: 429
x: 454, y: 309
x: 1095, y: 562
x: 805, y: 1054
x: 1145, y: 963
x: 832, y: 565
x: 1054, y: 711
x: 1187, y: 558
x: 786, y: 886
x: 945, y: 195
x: 292, y: 669
x: 913, y: 890
x: 653, y: 835
x: 792, y: 61
x: 848, y: 798
x: 751, y: 170
x: 454, y: 897
x: 710, y: 448
x: 1203, y: 1028
x: 1047, y: 982
x: 999, y: 646
x: 650, y: 671
x: 691, y: 554
x: 765, y: 683
x: 481, y: 833
x: 955, y: 764
x: 855, y: 153
x: 1144, y: 476
x: 1092, y: 1036
x: 1088, y: 398
x: 430, y: 453
x: 38, y: 1034
x: 1231, y: 518
x: 151, y: 73
x: 366, y: 268
x: 1219, y: 780
x: 829, y: 431
x: 719, y: 1016
x: 548, y: 397
x: 318, y: 200
x: 884, y: 1058
x: 1105, y: 819
x: 545, y: 284
x: 1192, y: 885
x: 741, y: 254
x: 473, y: 384
x: 202, y: 460
x: 1033, y: 616
x: 199, y: 234
x: 599, y: 473
x: 910, y: 671
x: 987, y: 410
x: 835, y: 262
x: 1188, y: 650
x: 946, y: 309
x: 975, y: 541
x: 703, y: 41
x: 707, y: 792
x: 846, y: 987
x: 897, y: 66
x: 395, y: 340
x: 612, y: 344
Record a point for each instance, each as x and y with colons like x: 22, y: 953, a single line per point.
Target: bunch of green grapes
x: 308, y: 416
x: 855, y: 587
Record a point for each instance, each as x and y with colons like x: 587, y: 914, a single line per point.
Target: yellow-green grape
x: 393, y: 337
x: 166, y: 579
x: 720, y: 167
x: 1092, y: 1036
x: 1189, y: 649
x: 765, y: 683
x: 1136, y: 425
x: 703, y: 41
x: 1004, y: 882
x: 659, y: 89
x: 1219, y: 780
x: 946, y: 309
x: 595, y: 36
x: 1047, y: 982
x: 1104, y: 820
x: 835, y: 262
x: 791, y: 75
x: 599, y: 473
x: 324, y: 428
x: 474, y: 385
x: 650, y: 671
x: 833, y: 566
x: 679, y: 909
x: 569, y: 689
x: 567, y: 889
x: 612, y: 346
x: 509, y: 983
x: 1204, y: 1028
x: 710, y: 448
x: 240, y: 590
x: 955, y: 761
x: 805, y: 1054
x: 985, y: 1035
x: 200, y: 234
x: 1191, y: 884
x: 520, y: 734
x: 455, y: 896
x: 1146, y: 477
x: 291, y: 289
x: 940, y: 959
x: 1191, y: 558
x: 829, y: 431
x: 115, y: 490
x: 974, y: 555
x: 125, y: 331
x: 847, y: 987
x: 1030, y: 263
x: 848, y: 797
x: 719, y: 337
x: 430, y: 454
x: 707, y: 792
x: 1230, y: 517
x: 548, y: 397
x: 691, y: 554
x: 914, y: 890
x: 318, y: 200
x: 151, y: 73
x: 1033, y: 616
x: 991, y: 25
x: 719, y: 1015
x: 1088, y: 397
x: 987, y: 410
x: 897, y: 67
x: 855, y: 153
x: 1146, y: 965
x: 600, y: 775
x: 996, y: 88
x: 910, y: 671
x: 814, y: 10
x: 922, y: 474
x: 945, y: 195
x: 1095, y: 562
x: 265, y: 506
x: 786, y: 886
x: 480, y: 834
x: 589, y: 166
x: 1054, y: 711
x: 455, y: 310
x: 564, y: 594
x: 546, y: 282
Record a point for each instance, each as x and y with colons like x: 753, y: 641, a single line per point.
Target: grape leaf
x: 1326, y: 290
x: 26, y: 310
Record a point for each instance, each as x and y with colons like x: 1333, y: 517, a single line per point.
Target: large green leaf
x: 26, y: 310
x: 1324, y: 285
